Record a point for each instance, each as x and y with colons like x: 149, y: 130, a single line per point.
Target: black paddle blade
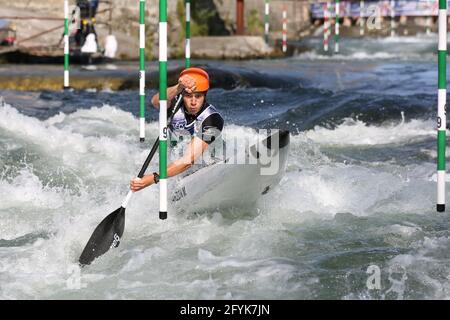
x: 105, y: 236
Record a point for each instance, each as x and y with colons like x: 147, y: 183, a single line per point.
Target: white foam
x: 401, y: 230
x: 184, y: 257
x: 75, y: 139
x: 383, y: 48
x: 427, y: 265
x: 26, y: 188
x: 417, y: 39
x: 311, y: 55
x: 357, y: 133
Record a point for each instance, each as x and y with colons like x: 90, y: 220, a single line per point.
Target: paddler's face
x: 194, y: 101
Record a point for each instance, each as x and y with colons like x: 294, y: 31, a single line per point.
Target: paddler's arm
x: 171, y: 93
x: 194, y: 149
x: 185, y: 82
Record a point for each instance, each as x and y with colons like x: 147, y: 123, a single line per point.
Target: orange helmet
x: 200, y: 76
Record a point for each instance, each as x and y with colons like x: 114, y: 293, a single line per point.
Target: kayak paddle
x: 108, y: 233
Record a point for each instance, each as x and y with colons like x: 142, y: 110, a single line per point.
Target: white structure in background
x: 90, y: 46
x: 110, y: 46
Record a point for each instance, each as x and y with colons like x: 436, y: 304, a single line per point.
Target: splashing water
x: 359, y: 190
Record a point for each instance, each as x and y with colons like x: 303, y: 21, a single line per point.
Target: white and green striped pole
x: 392, y: 18
x: 325, y: 27
x: 188, y: 34
x: 336, y: 36
x: 442, y: 101
x: 163, y: 109
x: 142, y: 70
x: 361, y: 18
x: 329, y: 22
x: 266, y: 21
x: 66, y: 44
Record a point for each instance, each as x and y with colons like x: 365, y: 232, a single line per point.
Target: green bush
x: 200, y: 15
x: 255, y: 25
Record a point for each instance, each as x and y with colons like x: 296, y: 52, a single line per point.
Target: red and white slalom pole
x: 325, y: 27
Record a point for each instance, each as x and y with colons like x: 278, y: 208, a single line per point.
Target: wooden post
x: 240, y: 29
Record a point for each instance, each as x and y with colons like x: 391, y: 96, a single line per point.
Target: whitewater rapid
x: 358, y: 195
x: 62, y: 175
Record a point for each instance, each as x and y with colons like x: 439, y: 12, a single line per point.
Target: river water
x: 353, y: 217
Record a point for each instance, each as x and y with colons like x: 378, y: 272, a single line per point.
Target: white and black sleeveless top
x: 206, y: 125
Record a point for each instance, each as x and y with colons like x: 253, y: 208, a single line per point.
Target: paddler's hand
x: 137, y: 184
x: 187, y: 83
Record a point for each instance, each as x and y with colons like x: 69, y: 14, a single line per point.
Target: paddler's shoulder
x: 214, y: 120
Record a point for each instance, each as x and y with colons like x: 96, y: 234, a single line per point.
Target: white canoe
x: 225, y: 184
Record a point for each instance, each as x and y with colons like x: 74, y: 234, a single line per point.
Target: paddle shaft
x: 155, y: 145
x: 110, y: 230
x: 153, y: 150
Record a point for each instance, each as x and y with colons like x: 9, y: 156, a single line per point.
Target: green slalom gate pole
x: 188, y: 34
x: 163, y: 109
x: 336, y: 36
x: 266, y: 21
x: 142, y: 70
x: 66, y: 44
x: 442, y: 101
